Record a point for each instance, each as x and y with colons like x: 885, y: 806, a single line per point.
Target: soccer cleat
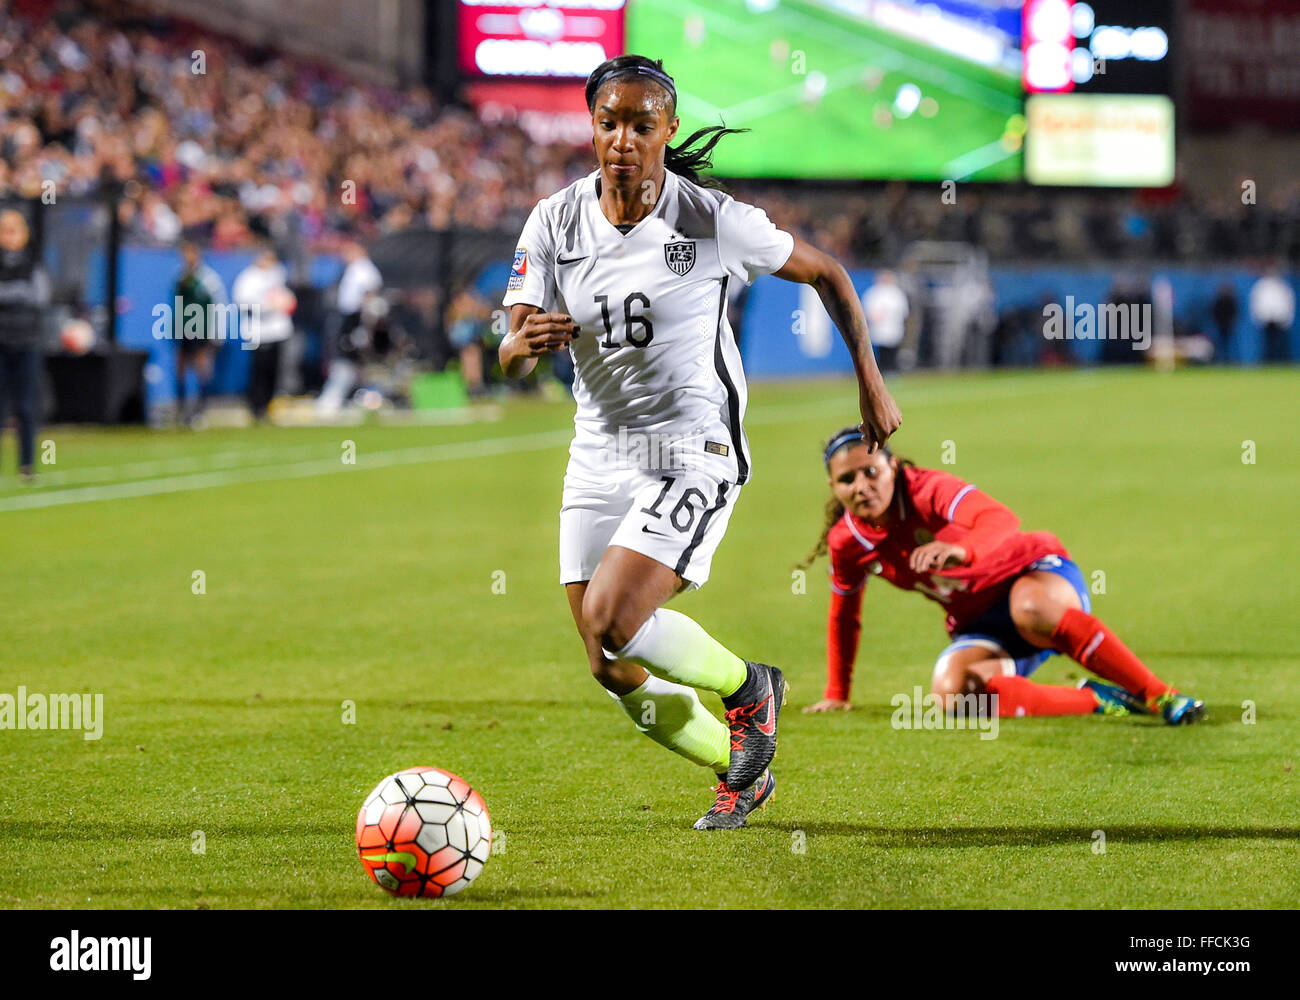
x: 1113, y: 699
x: 752, y: 713
x: 1178, y: 709
x: 731, y: 809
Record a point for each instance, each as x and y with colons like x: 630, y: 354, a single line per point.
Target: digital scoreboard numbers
x: 1097, y: 78
x: 557, y: 40
x: 1109, y: 46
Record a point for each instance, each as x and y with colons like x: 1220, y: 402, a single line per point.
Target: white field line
x: 977, y: 159
x: 732, y: 29
x: 452, y: 451
x: 779, y: 100
x: 178, y: 463
x: 85, y: 475
x: 299, y: 470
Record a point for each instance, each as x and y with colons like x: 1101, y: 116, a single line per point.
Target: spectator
x: 358, y: 285
x: 24, y: 297
x: 1272, y: 309
x: 197, y: 296
x: 886, y: 309
x: 470, y: 319
x: 1132, y: 294
x: 1223, y: 314
x: 265, y: 302
x: 262, y: 146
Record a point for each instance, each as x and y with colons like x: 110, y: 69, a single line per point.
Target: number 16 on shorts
x: 679, y: 520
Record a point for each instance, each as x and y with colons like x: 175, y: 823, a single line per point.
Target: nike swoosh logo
x: 649, y: 532
x: 401, y: 857
x: 571, y: 260
x: 769, y: 727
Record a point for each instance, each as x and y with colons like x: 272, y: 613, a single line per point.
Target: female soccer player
x: 1013, y: 598
x: 628, y: 269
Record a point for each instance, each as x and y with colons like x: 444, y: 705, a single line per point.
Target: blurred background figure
x: 469, y: 322
x: 24, y: 298
x: 1132, y: 294
x: 266, y: 305
x: 886, y: 309
x: 196, y: 338
x: 358, y: 286
x: 1272, y: 309
x: 1223, y: 316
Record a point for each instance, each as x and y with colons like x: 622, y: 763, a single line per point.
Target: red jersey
x: 942, y: 508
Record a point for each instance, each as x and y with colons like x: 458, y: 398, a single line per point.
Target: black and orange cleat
x: 731, y: 809
x: 752, y: 714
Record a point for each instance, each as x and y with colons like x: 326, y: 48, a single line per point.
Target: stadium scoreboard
x: 1052, y: 92
x: 552, y: 40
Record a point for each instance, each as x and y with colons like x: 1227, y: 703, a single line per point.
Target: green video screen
x: 837, y: 89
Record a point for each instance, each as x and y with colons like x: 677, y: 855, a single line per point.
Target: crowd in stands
x: 213, y: 141
x: 223, y: 144
x: 874, y: 226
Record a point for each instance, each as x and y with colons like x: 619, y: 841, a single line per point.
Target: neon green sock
x: 674, y: 647
x: 672, y: 716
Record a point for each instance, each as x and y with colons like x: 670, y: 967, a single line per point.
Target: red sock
x: 1019, y: 696
x: 1088, y: 642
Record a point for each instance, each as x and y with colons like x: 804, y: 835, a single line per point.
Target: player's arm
x: 810, y: 266
x: 848, y: 579
x: 532, y: 334
x: 843, y: 630
x: 988, y: 524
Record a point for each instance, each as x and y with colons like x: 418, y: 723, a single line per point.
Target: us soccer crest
x: 680, y: 257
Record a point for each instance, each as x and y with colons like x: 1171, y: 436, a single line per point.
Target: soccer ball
x: 77, y: 336
x: 424, y: 832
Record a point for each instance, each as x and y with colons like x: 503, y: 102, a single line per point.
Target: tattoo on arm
x: 841, y: 301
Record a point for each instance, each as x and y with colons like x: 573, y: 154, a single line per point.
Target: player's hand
x: 544, y: 333
x: 880, y: 414
x: 828, y: 705
x: 936, y: 556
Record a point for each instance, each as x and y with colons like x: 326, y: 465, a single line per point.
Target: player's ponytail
x: 902, y: 495
x: 834, y: 511
x: 686, y: 159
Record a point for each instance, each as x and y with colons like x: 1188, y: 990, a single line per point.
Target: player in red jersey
x: 1013, y: 597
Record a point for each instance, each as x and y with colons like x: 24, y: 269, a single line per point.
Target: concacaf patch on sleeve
x: 518, y: 270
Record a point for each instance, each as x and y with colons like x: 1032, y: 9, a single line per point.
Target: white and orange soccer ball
x: 424, y: 832
x: 77, y: 336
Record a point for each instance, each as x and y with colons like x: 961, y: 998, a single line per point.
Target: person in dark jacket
x: 197, y: 339
x: 1223, y: 311
x: 24, y: 297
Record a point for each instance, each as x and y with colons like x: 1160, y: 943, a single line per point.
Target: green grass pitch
x: 373, y: 583
x: 730, y: 74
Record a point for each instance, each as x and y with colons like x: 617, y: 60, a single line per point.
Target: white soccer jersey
x: 656, y: 352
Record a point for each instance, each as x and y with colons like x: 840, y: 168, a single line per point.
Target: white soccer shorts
x: 676, y: 516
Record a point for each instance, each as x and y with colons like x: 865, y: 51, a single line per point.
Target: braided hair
x: 688, y: 157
